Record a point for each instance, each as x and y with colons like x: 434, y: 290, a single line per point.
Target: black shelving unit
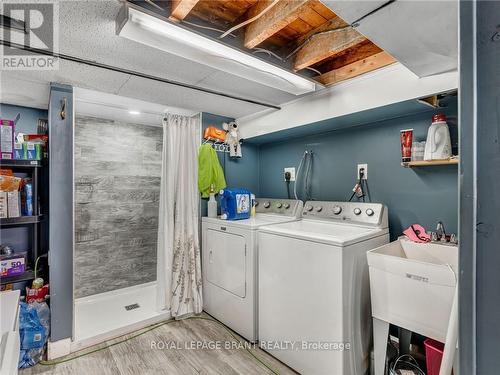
x: 33, y: 169
x: 26, y: 276
x: 13, y: 221
x: 20, y: 163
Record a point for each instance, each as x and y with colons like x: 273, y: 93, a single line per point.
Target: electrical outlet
x: 365, y: 167
x: 291, y: 170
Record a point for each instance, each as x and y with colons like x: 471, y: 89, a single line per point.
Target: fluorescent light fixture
x: 134, y: 112
x: 166, y: 36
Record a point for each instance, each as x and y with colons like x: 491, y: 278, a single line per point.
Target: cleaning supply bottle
x: 438, y: 145
x: 253, y: 212
x: 212, y: 203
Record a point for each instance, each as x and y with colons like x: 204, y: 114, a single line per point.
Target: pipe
x: 132, y: 73
x: 250, y: 20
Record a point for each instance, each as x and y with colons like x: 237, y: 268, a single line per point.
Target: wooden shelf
x: 21, y: 220
x: 26, y: 276
x: 20, y: 163
x: 429, y: 163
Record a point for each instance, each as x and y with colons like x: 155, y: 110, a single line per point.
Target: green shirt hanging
x: 209, y: 171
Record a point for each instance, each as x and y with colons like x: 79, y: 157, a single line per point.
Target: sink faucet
x: 441, y: 234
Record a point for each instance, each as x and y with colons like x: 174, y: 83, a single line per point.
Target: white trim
x: 58, y: 349
x: 389, y: 85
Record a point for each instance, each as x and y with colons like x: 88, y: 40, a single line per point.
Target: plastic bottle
x: 253, y: 213
x: 212, y: 203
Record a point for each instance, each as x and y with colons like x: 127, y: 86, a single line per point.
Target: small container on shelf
x: 13, y: 204
x: 417, y: 151
x: 13, y: 264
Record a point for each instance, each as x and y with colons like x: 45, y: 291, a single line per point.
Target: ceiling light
x: 166, y: 36
x: 133, y: 112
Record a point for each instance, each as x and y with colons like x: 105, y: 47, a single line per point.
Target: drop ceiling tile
x: 87, y: 30
x: 186, y: 98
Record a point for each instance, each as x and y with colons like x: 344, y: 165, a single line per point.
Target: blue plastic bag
x: 34, y: 331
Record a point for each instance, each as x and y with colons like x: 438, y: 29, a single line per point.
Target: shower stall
x: 117, y: 176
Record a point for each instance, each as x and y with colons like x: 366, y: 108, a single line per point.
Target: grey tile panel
x: 117, y: 191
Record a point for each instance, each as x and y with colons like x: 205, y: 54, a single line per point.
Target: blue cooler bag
x: 235, y: 204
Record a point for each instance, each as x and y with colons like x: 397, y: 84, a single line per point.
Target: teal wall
x: 29, y: 117
x: 419, y: 195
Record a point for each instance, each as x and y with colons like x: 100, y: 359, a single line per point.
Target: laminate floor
x: 170, y: 349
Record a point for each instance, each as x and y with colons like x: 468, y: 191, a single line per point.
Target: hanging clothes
x: 179, y: 262
x: 209, y: 171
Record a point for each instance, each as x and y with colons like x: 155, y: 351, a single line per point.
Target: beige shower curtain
x: 179, y: 263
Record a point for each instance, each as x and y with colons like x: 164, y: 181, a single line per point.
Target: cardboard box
x: 18, y: 151
x: 12, y: 265
x: 32, y: 151
x: 13, y: 204
x: 3, y: 205
x: 6, y: 139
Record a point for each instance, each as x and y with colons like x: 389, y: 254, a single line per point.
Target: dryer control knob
x: 337, y: 210
x: 319, y: 209
x: 267, y: 204
x: 369, y: 212
x: 309, y: 208
x: 279, y: 205
x: 286, y: 205
x: 357, y: 211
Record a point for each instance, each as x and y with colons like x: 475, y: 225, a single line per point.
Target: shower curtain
x: 179, y: 263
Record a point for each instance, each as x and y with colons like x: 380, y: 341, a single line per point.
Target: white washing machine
x: 229, y: 263
x: 314, y: 297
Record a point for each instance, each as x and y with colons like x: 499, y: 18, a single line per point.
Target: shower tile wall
x: 117, y: 187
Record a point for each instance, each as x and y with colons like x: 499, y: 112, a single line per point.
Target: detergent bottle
x: 438, y: 145
x: 212, y: 203
x: 235, y: 204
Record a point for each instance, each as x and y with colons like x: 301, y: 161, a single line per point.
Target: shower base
x: 111, y: 314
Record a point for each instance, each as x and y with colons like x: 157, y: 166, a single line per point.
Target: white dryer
x: 314, y: 297
x: 229, y: 263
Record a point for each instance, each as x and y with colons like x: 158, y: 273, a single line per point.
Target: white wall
x: 385, y: 86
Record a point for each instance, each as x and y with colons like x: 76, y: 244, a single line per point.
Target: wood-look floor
x: 137, y: 357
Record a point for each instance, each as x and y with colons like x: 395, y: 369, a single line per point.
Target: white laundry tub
x: 9, y: 332
x: 412, y: 285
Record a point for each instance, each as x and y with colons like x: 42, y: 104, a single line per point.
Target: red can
x: 406, y: 142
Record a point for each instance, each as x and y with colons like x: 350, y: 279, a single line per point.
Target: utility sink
x: 412, y: 285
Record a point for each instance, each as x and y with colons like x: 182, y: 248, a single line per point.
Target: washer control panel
x: 286, y: 207
x: 355, y: 212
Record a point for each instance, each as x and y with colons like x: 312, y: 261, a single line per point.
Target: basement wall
x: 420, y: 195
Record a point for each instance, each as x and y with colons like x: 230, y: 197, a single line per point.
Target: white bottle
x: 212, y: 205
x: 438, y: 145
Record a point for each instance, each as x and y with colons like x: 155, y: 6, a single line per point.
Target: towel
x: 209, y: 171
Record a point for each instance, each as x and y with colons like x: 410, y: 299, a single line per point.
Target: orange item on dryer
x: 215, y: 134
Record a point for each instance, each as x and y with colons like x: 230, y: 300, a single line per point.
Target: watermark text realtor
x: 29, y: 26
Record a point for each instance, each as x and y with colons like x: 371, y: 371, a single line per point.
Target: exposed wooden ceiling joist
x: 181, y: 8
x: 279, y: 16
x: 348, y: 56
x: 357, y: 68
x: 323, y: 46
x: 306, y: 27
